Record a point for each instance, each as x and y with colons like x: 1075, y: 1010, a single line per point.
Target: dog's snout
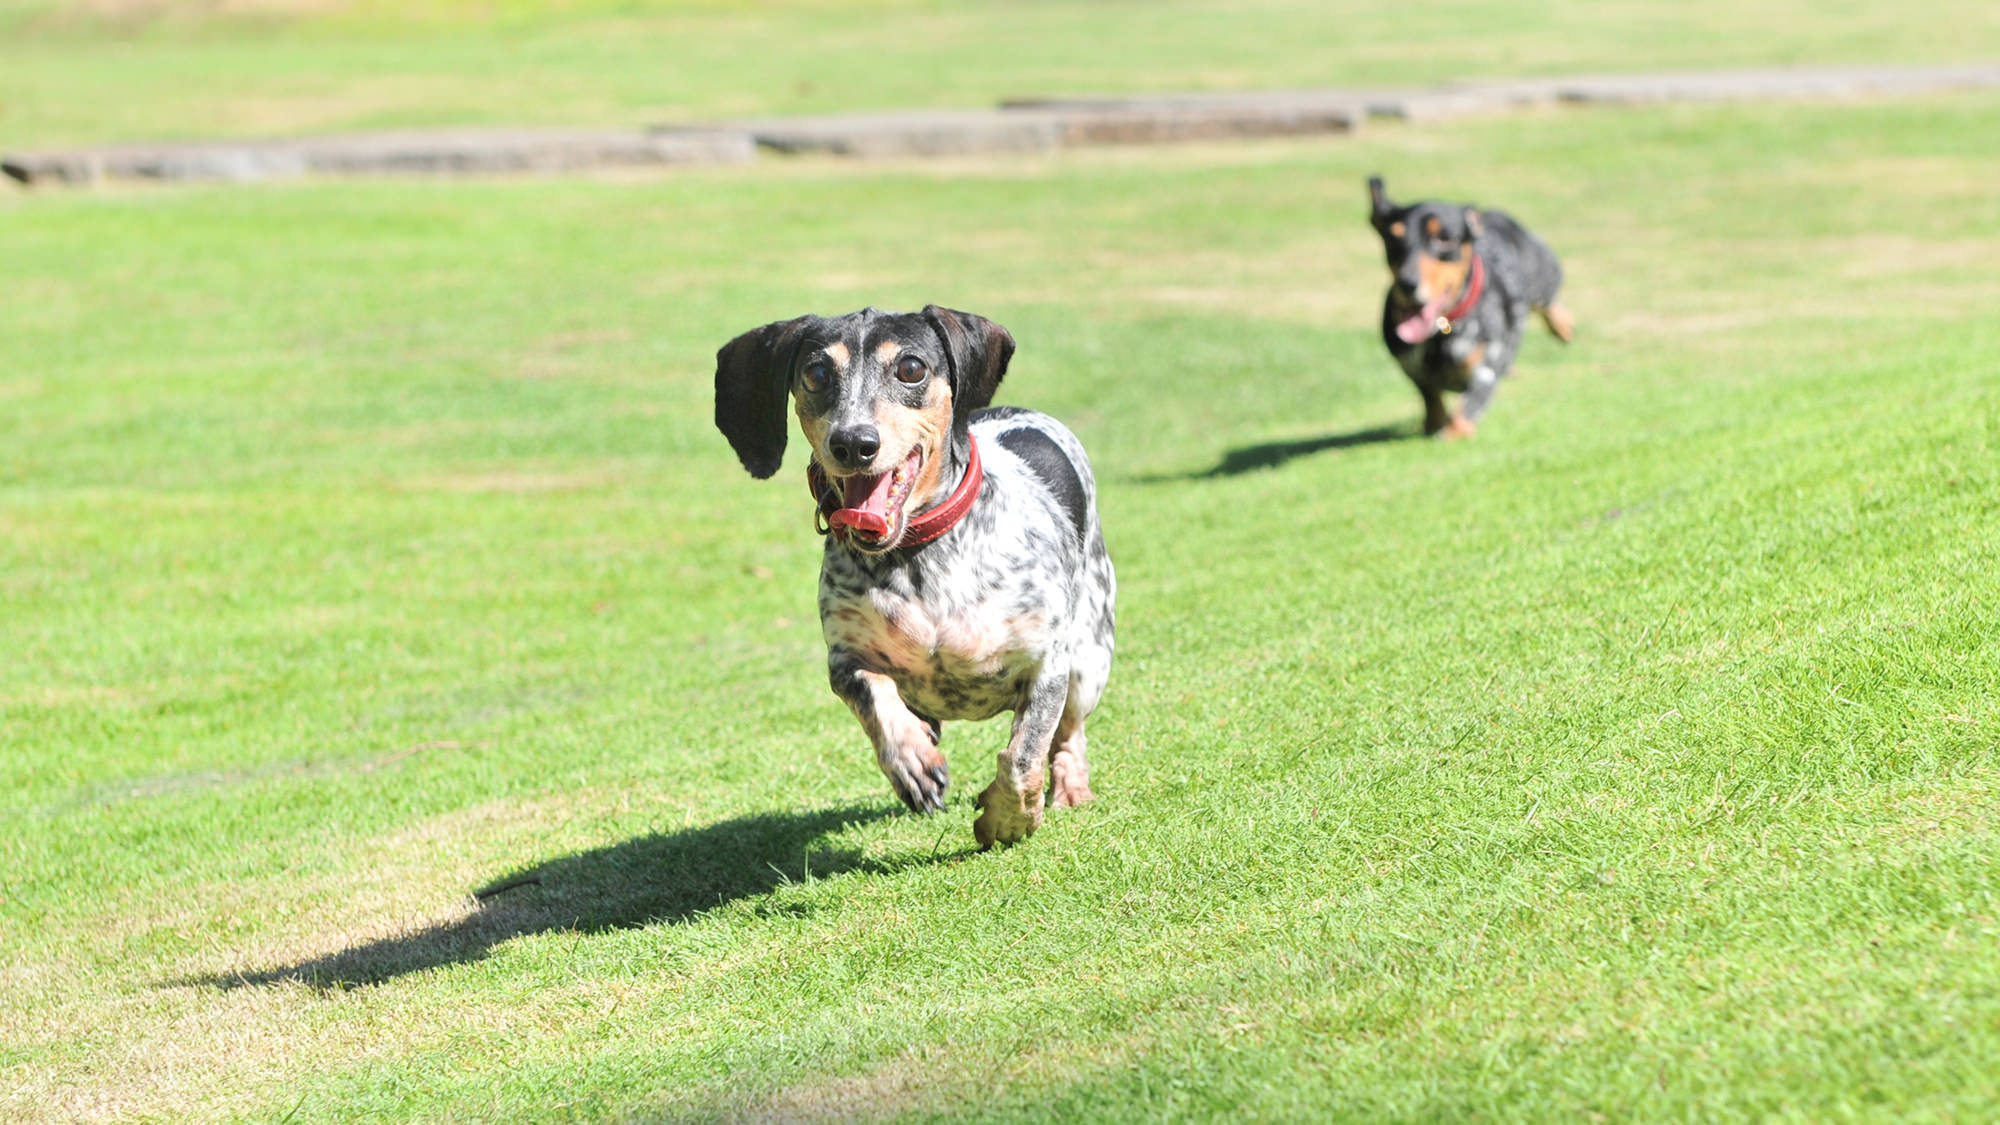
x: 854, y: 446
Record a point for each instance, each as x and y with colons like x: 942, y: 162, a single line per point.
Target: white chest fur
x: 955, y: 652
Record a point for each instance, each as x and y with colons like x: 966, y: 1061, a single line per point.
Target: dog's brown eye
x: 910, y: 369
x: 816, y: 375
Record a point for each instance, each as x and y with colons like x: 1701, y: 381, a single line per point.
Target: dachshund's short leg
x: 1068, y: 767
x: 1559, y: 321
x: 1089, y: 672
x: 905, y: 743
x: 1436, y: 417
x: 1011, y: 807
x: 1482, y: 367
x: 1481, y: 382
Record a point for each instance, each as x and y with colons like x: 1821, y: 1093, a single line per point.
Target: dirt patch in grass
x: 1945, y: 815
x: 903, y: 1085
x: 156, y: 1047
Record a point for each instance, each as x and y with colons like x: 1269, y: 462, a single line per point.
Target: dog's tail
x: 1561, y: 324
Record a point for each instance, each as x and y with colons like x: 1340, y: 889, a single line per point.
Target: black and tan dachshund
x: 1465, y: 280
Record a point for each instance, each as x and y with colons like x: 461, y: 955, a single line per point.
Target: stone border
x: 1774, y: 85
x: 1471, y: 98
x: 1028, y: 125
x: 1042, y: 127
x: 435, y: 153
x: 1048, y: 123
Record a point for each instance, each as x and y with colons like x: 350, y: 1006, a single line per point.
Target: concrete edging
x: 1040, y: 127
x: 437, y: 153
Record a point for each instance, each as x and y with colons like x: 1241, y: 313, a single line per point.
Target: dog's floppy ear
x: 1378, y: 199
x: 753, y: 372
x: 1474, y: 225
x: 978, y: 351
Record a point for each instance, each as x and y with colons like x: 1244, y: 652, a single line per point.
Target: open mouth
x: 1418, y: 326
x: 1421, y: 322
x: 872, y: 506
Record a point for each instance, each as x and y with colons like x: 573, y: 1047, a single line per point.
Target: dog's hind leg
x: 905, y: 742
x: 1560, y: 323
x: 1089, y: 671
x: 1011, y: 807
x: 1069, y: 768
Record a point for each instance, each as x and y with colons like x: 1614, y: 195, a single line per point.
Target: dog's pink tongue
x: 867, y: 501
x: 1417, y: 328
x: 869, y: 494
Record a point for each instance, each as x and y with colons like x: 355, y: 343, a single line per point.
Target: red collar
x: 1474, y: 289
x: 922, y: 529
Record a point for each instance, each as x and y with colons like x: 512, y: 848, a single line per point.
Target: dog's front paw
x: 1458, y: 429
x: 919, y: 779
x: 1006, y: 816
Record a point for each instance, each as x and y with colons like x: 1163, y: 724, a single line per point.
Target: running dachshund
x: 1465, y: 282
x: 965, y: 573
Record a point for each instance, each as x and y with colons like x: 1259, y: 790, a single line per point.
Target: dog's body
x: 1009, y: 608
x: 1465, y: 282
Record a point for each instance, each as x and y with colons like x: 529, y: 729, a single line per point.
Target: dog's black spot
x: 1048, y: 461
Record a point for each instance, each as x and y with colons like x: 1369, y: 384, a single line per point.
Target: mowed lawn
x: 367, y: 544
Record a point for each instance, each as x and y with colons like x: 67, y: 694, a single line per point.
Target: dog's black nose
x: 854, y: 447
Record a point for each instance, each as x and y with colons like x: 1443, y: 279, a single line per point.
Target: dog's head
x: 1428, y: 245
x: 883, y: 399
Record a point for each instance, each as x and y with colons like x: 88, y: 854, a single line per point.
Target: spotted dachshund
x: 965, y: 572
x: 1465, y: 281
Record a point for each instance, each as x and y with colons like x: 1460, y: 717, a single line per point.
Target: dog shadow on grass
x: 666, y: 878
x: 1271, y: 454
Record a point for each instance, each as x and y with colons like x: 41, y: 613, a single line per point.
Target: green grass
x: 121, y: 70
x: 364, y: 544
